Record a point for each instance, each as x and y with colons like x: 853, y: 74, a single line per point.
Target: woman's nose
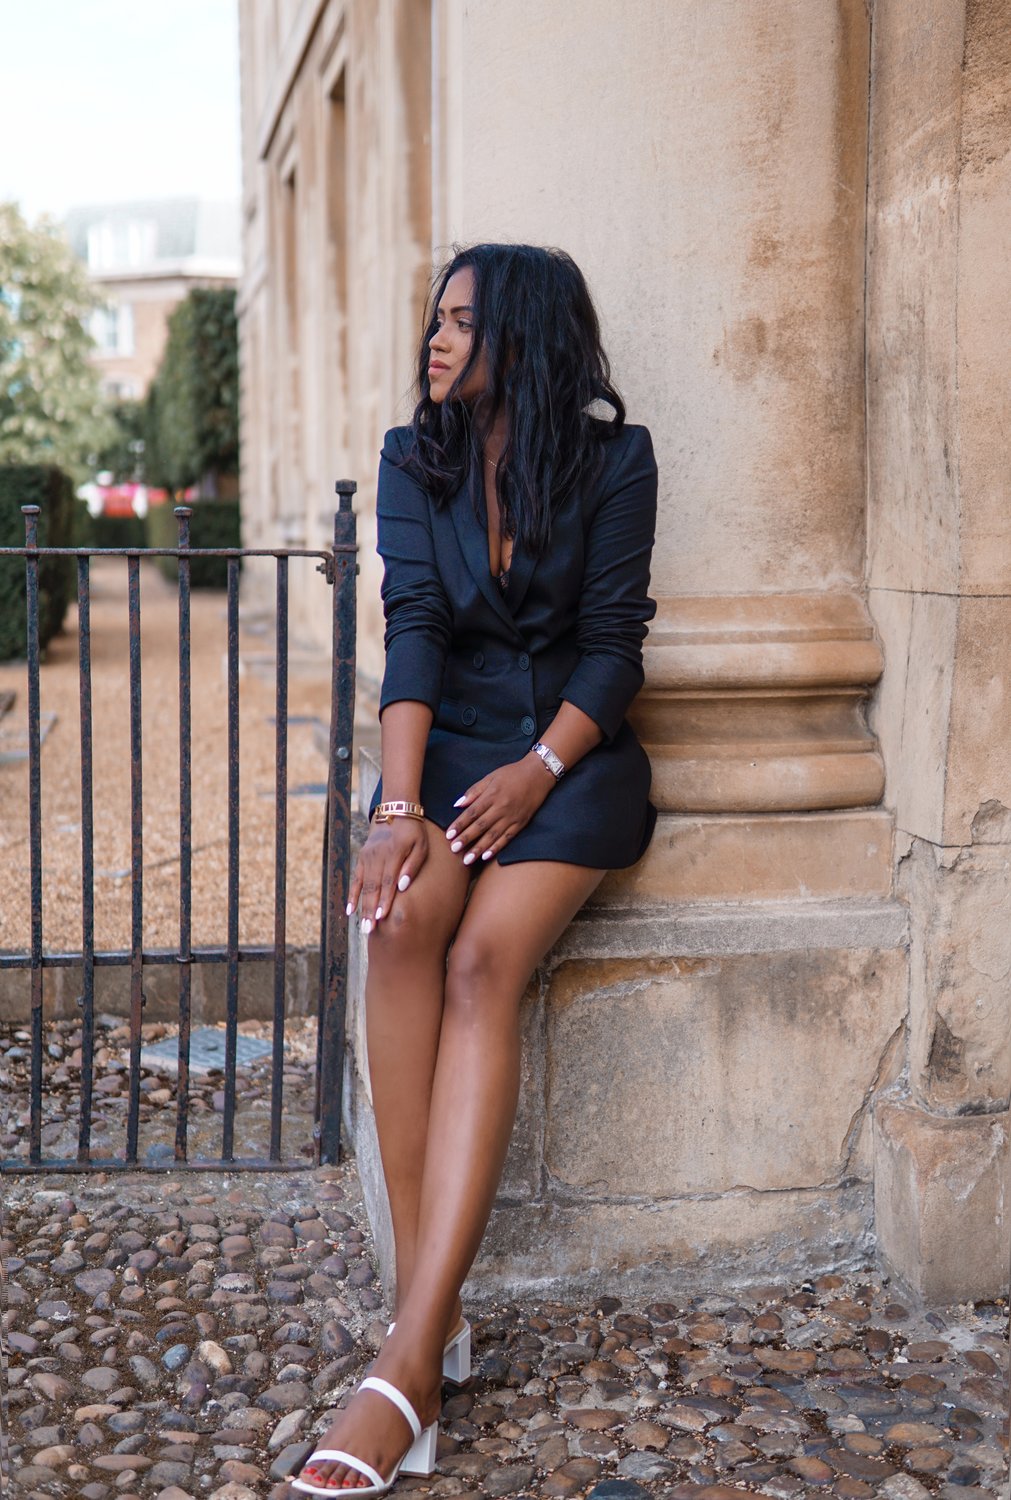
x: 439, y: 340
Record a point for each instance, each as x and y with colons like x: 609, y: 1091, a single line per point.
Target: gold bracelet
x: 387, y: 811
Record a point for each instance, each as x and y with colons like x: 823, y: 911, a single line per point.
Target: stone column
x: 938, y: 334
x: 706, y: 167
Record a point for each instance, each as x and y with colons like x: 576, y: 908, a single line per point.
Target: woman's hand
x: 495, y: 808
x: 387, y: 862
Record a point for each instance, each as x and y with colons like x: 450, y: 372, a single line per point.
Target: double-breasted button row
x: 522, y: 661
x: 468, y: 716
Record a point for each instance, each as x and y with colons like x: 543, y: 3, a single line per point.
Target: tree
x: 122, y: 456
x: 191, y: 429
x: 51, y: 407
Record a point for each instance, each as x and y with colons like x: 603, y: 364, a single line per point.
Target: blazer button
x: 469, y: 716
x: 479, y: 659
x: 527, y: 724
x: 523, y: 662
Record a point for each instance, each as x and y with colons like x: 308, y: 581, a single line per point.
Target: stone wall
x: 337, y: 253
x: 939, y: 569
x: 794, y: 218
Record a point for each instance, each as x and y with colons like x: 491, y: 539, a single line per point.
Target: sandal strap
x: 400, y: 1401
x: 338, y: 1456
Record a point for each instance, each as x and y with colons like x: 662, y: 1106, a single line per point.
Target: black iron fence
x: 339, y: 569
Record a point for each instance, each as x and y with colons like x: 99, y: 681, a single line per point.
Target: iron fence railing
x: 339, y: 569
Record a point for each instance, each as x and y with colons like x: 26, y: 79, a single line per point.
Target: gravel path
x: 308, y: 697
x: 187, y: 1338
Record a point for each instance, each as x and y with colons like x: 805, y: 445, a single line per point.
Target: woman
x: 516, y: 530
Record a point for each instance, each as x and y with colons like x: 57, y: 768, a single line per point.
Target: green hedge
x: 214, y: 523
x: 53, y: 492
x: 191, y: 416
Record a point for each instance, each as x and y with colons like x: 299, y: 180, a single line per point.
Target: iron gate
x: 339, y: 569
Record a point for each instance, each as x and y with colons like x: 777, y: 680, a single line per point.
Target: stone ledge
x: 714, y: 930
x: 801, y: 856
x: 678, y: 1247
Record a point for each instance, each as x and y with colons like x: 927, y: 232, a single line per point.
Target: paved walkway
x: 185, y: 1336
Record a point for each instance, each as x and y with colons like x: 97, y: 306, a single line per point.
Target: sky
x: 105, y: 101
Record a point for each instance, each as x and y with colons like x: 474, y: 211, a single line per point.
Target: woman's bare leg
x: 516, y: 913
x: 404, y: 995
x: 515, y: 916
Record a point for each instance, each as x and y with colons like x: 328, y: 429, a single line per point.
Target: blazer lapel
x: 473, y: 538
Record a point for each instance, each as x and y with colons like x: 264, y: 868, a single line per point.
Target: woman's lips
x: 435, y: 368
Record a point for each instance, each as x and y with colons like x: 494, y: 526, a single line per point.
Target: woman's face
x: 450, y: 344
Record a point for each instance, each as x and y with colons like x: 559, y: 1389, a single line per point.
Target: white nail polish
x: 451, y: 833
x: 469, y: 859
x: 488, y: 854
x: 379, y: 912
x: 403, y: 882
x: 349, y: 910
x: 460, y: 800
x: 457, y: 846
x: 366, y: 926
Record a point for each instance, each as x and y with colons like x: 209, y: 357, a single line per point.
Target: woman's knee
x: 411, y: 932
x: 480, y: 974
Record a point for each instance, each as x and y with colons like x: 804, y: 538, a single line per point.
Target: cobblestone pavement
x: 61, y: 1093
x: 185, y: 1336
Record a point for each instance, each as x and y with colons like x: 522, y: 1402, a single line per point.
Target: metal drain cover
x: 207, y: 1051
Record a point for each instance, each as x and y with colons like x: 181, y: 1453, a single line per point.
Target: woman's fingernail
x: 488, y: 854
x: 451, y: 833
x: 366, y: 926
x: 379, y: 912
x: 460, y: 800
x: 457, y: 846
x: 349, y: 910
x: 403, y: 882
x: 469, y: 859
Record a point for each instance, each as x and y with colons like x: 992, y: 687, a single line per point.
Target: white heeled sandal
x: 419, y: 1458
x: 455, y: 1356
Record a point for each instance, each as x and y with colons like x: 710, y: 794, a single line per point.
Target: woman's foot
x: 371, y: 1427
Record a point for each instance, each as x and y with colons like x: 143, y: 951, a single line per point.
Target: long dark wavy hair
x: 535, y: 319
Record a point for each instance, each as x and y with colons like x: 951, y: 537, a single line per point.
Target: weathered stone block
x: 911, y: 321
x: 744, y: 1072
x: 978, y: 767
x: 910, y: 712
x: 673, y: 1247
x: 939, y: 1200
x: 960, y: 960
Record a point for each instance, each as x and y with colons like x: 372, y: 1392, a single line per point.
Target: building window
x: 129, y: 244
x: 112, y: 328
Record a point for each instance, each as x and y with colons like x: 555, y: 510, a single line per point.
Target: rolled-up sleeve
x: 615, y: 606
x: 417, y: 611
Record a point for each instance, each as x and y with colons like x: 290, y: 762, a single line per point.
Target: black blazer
x: 494, y: 667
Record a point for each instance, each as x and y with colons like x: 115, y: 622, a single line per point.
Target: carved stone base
x: 756, y: 703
